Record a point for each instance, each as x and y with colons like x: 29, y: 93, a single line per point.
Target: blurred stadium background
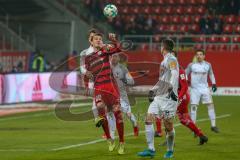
x: 38, y: 35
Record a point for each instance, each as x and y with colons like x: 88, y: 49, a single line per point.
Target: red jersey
x: 105, y: 88
x: 98, y: 63
x: 183, y: 84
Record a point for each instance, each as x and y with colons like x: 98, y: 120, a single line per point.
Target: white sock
x: 194, y: 112
x: 150, y: 136
x: 94, y: 110
x: 170, y: 140
x: 112, y: 124
x: 211, y: 114
x: 133, y: 120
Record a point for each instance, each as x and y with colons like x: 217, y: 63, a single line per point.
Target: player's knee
x: 100, y: 105
x: 116, y: 108
x: 210, y: 106
x: 169, y: 128
x: 168, y: 125
x: 193, y: 107
x: 129, y: 115
x: 149, y: 119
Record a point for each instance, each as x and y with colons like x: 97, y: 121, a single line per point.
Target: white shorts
x: 125, y: 106
x: 164, y: 107
x: 203, y: 94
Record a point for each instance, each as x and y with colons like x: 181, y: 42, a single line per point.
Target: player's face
x: 200, y: 56
x: 97, y: 41
x: 115, y: 59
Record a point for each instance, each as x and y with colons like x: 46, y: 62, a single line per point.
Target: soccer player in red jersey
x: 182, y: 110
x: 106, y: 93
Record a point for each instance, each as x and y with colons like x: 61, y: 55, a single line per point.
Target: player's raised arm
x: 114, y: 46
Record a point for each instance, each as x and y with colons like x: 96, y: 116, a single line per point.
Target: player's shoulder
x: 191, y: 64
x: 83, y: 53
x: 207, y: 63
x: 123, y: 67
x: 171, y: 58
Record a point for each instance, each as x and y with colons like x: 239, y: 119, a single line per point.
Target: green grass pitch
x: 42, y: 136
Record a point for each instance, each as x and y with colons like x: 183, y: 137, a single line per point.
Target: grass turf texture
x: 34, y: 136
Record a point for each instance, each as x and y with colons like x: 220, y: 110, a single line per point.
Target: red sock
x: 119, y: 125
x: 102, y: 113
x: 187, y: 121
x: 159, y: 125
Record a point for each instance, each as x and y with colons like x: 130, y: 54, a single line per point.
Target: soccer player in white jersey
x: 163, y: 98
x: 123, y: 78
x: 88, y: 74
x: 199, y: 71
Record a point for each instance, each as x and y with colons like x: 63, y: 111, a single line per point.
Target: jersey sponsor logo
x: 172, y: 65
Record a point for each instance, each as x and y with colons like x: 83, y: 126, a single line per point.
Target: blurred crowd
x: 225, y: 7
x: 140, y: 24
x: 211, y: 24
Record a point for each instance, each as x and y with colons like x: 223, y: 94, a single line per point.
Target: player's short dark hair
x: 93, y: 30
x: 168, y: 44
x: 200, y: 50
x: 97, y: 34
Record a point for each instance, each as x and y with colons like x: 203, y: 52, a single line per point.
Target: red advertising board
x: 225, y: 66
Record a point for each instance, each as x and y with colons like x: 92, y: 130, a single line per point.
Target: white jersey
x: 123, y: 78
x: 162, y: 104
x: 83, y: 54
x: 83, y: 69
x: 199, y: 74
x: 169, y: 75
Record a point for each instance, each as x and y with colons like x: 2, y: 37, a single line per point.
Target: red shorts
x: 183, y: 107
x: 107, y: 93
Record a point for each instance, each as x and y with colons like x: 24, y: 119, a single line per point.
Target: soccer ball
x: 110, y: 11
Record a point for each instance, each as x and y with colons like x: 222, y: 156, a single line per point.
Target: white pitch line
x: 95, y: 141
x: 102, y: 140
